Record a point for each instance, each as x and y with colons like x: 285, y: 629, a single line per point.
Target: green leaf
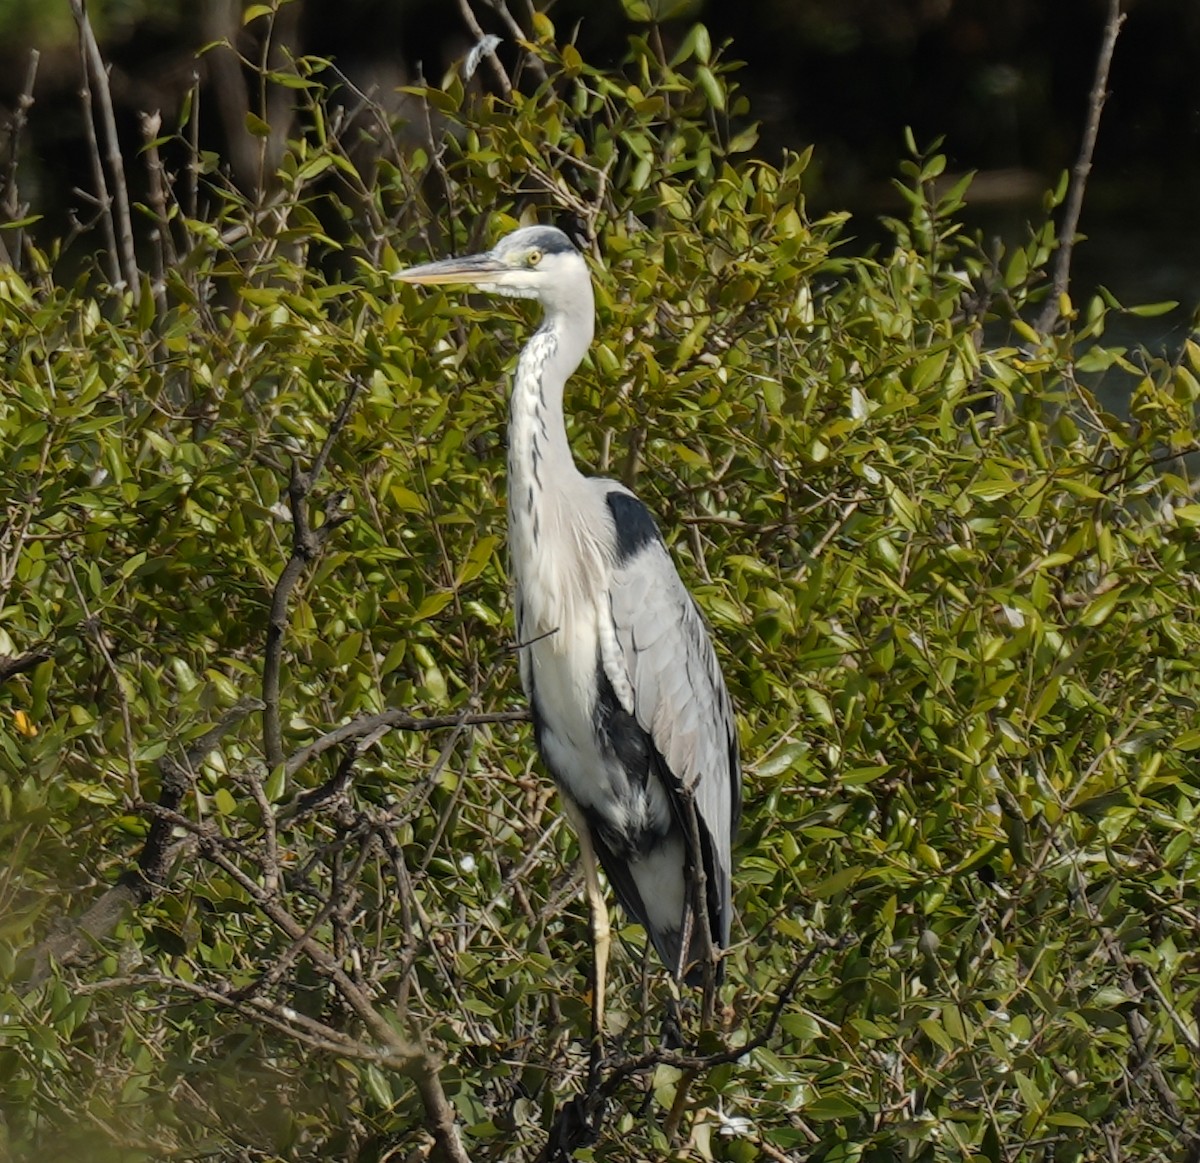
x: 831, y: 1106
x: 1099, y: 609
x: 1151, y: 310
x: 1188, y: 741
x: 477, y: 560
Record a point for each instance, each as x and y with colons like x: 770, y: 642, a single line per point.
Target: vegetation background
x: 282, y: 879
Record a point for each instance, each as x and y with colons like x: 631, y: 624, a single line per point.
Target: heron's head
x: 535, y: 262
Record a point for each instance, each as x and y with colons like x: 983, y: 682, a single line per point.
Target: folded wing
x: 660, y: 661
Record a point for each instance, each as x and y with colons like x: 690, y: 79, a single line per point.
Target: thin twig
x: 398, y: 720
x: 306, y: 545
x: 10, y: 202
x: 1137, y: 1025
x: 102, y: 196
x: 665, y: 1057
x: 436, y: 150
x: 581, y: 1119
x: 476, y: 31
x: 518, y: 34
x: 1083, y: 166
x: 309, y: 1032
x: 95, y: 631
x: 848, y: 511
x: 403, y: 1055
x: 13, y: 664
x: 94, y: 61
x: 193, y: 166
x: 164, y: 244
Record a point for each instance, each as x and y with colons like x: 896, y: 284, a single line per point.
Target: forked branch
x: 1069, y: 227
x: 307, y: 543
x: 121, y: 222
x: 579, y: 1122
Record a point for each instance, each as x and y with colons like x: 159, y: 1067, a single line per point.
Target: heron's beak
x: 474, y: 268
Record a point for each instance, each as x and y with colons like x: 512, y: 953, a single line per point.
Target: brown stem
x: 94, y: 61
x: 398, y: 720
x: 476, y: 31
x: 306, y: 545
x: 518, y: 34
x: 99, y: 181
x: 10, y: 199
x: 1061, y: 278
x: 13, y: 664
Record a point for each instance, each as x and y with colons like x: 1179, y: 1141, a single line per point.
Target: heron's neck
x: 540, y: 465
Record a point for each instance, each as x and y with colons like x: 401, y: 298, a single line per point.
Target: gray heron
x: 630, y: 710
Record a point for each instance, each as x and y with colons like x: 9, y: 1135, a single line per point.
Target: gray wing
x: 663, y: 669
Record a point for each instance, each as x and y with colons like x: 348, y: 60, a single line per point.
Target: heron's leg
x: 601, y: 936
x: 685, y: 939
x: 672, y: 1027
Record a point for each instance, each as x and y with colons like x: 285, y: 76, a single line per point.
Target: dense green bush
x: 954, y: 597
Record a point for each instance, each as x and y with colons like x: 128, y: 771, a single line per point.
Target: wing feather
x: 661, y: 653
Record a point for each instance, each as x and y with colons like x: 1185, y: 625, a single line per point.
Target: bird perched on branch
x: 630, y: 710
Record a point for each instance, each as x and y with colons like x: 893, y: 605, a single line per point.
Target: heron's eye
x: 533, y: 258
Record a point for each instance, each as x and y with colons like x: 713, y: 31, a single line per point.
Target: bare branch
x: 306, y: 545
x: 164, y: 245
x: 579, y: 1121
x: 1083, y: 167
x: 10, y: 199
x: 402, y: 1053
x: 476, y: 31
x: 412, y: 1061
x: 94, y: 61
x: 398, y: 720
x: 103, y: 197
x: 13, y: 664
x: 518, y: 34
x: 176, y: 778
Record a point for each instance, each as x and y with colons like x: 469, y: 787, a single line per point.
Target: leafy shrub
x: 955, y: 599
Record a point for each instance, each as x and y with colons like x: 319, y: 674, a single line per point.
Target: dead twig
x: 1061, y: 277
x: 307, y: 543
x: 395, y: 720
x: 10, y: 198
x: 518, y: 34
x: 163, y: 244
x: 13, y: 664
x: 479, y: 36
x: 120, y: 223
x: 579, y: 1122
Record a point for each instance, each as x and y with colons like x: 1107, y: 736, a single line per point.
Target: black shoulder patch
x: 634, y: 526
